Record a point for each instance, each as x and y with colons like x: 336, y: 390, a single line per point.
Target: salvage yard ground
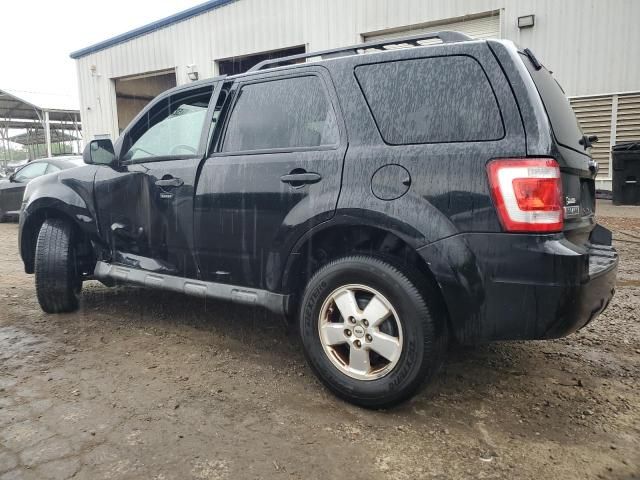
x: 146, y: 384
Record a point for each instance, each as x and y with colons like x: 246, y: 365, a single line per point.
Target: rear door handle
x: 170, y: 182
x: 299, y: 177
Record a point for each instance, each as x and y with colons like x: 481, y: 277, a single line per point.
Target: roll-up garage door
x: 485, y: 26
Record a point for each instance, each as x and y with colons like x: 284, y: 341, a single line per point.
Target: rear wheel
x: 58, y: 280
x: 368, y: 331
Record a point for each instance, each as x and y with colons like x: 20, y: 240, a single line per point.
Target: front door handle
x: 300, y: 177
x: 170, y: 182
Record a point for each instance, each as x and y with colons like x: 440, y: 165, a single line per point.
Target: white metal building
x: 593, y: 47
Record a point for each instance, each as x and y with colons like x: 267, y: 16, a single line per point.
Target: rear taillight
x: 527, y: 193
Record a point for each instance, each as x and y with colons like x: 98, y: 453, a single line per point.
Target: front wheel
x: 58, y: 280
x: 368, y: 331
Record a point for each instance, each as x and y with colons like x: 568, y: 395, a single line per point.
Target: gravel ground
x: 144, y: 384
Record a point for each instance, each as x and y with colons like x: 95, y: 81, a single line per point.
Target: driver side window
x: 170, y: 128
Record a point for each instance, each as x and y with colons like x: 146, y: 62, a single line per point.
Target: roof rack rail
x: 446, y: 36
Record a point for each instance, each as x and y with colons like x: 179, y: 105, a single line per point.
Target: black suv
x: 388, y: 199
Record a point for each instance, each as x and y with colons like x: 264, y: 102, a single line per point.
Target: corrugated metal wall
x: 592, y: 45
x: 614, y: 119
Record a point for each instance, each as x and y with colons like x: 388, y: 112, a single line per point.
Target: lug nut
x: 352, y: 320
x: 347, y: 332
x: 357, y: 343
x: 365, y: 322
x: 368, y: 337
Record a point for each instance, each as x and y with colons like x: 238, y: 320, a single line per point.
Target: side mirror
x: 12, y: 177
x: 99, y: 152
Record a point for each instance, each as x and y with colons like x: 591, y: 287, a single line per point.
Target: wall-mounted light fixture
x: 94, y: 71
x: 192, y: 72
x: 526, y: 21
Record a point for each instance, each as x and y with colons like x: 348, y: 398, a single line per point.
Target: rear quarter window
x: 562, y: 117
x: 431, y: 100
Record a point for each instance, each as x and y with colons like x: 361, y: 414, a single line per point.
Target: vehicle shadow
x: 472, y: 371
x: 144, y: 307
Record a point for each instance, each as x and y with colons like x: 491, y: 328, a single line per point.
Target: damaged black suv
x: 389, y: 200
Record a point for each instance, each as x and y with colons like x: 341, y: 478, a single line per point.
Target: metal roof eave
x: 20, y: 107
x: 151, y: 27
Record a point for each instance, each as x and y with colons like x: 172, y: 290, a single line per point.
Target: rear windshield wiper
x: 532, y: 58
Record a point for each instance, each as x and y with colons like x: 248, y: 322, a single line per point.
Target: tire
x: 58, y: 282
x: 415, y: 350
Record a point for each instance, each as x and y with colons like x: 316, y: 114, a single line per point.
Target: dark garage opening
x: 133, y: 93
x: 235, y: 65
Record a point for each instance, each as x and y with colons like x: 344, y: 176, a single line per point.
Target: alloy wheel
x: 360, y: 332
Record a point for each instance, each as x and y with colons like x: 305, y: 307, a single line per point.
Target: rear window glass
x: 563, y: 120
x: 431, y: 100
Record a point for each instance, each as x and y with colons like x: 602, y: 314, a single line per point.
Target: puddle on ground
x: 17, y: 344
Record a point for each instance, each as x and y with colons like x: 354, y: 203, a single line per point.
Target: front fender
x: 67, y: 194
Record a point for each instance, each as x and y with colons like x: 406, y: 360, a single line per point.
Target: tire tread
x: 434, y: 341
x: 56, y: 280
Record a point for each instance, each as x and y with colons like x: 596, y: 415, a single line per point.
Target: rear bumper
x: 529, y: 310
x: 532, y: 287
x: 590, y: 298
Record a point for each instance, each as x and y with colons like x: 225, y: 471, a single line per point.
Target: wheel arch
x: 335, y: 239
x: 35, y: 215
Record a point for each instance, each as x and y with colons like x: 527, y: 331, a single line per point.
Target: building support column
x: 4, y: 134
x: 614, y: 133
x: 5, y: 151
x: 47, y: 133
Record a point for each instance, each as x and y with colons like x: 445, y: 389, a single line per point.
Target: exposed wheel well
x: 31, y: 229
x: 336, y: 242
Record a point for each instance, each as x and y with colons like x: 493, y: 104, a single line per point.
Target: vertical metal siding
x: 591, y: 45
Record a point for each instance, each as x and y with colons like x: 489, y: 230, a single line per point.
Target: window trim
x: 158, y: 158
x: 428, y: 57
x: 267, y: 151
x: 233, y: 94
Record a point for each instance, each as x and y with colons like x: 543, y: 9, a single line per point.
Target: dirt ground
x: 145, y: 384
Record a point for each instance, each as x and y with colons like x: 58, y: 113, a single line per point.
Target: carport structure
x: 44, y: 119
